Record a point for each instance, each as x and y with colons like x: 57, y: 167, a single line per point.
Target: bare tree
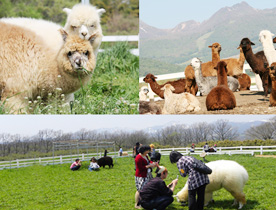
x: 201, y: 132
x: 264, y: 131
x: 222, y: 130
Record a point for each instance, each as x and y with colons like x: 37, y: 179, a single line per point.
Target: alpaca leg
x: 239, y: 197
x: 208, y: 198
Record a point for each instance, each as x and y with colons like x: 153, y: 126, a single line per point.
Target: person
x: 143, y: 170
x: 121, y: 151
x: 206, y: 147
x: 76, y: 165
x: 196, y: 182
x: 93, y: 165
x: 215, y: 148
x: 155, y: 194
x: 152, y: 153
x: 192, y: 148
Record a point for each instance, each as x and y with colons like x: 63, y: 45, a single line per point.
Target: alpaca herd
x: 219, y: 78
x: 38, y: 57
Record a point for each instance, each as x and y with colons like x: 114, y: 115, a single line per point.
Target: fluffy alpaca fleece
x: 205, y: 84
x: 225, y: 174
x: 272, y: 74
x: 266, y: 39
x: 143, y: 93
x: 84, y: 20
x: 29, y: 69
x: 80, y: 20
x: 178, y: 103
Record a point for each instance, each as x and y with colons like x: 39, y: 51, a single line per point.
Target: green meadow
x: 57, y: 187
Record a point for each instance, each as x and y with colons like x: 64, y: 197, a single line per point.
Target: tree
x: 264, y: 131
x: 201, y: 132
x: 222, y: 130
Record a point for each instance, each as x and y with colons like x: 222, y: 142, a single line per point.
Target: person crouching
x: 155, y: 194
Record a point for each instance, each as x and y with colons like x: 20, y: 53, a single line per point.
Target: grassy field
x: 113, y: 89
x: 57, y: 187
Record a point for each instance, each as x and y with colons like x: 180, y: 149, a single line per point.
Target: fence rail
x: 238, y: 150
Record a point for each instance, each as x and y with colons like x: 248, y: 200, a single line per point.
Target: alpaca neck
x: 167, y: 94
x: 215, y: 57
x: 269, y: 51
x: 222, y: 77
x: 198, y: 76
x: 155, y: 86
x: 250, y: 58
x: 241, y: 59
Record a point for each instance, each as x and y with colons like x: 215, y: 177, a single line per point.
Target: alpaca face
x: 149, y: 78
x: 145, y: 90
x: 195, y: 63
x: 272, y: 71
x: 216, y: 47
x: 84, y: 20
x: 265, y: 35
x: 245, y: 44
x: 274, y: 40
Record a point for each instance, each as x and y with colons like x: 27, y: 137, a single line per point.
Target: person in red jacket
x: 143, y: 170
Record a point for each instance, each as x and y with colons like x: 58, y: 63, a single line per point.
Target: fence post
x: 39, y: 159
x: 17, y: 162
x: 60, y: 159
x: 261, y: 147
x: 241, y: 148
x: 82, y: 156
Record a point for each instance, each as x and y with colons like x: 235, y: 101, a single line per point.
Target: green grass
x: 113, y: 88
x: 56, y: 187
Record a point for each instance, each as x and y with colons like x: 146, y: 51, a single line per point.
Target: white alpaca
x: 143, y: 93
x: 28, y: 68
x: 225, y: 174
x: 178, y: 103
x: 84, y: 20
x: 266, y: 38
x: 206, y: 84
x: 80, y: 20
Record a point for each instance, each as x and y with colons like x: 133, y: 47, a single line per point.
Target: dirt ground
x: 248, y: 102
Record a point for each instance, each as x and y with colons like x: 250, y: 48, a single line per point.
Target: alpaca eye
x: 74, y: 27
x: 92, y: 26
x: 86, y: 53
x: 69, y: 54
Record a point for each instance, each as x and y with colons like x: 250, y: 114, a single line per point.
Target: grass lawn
x: 57, y: 187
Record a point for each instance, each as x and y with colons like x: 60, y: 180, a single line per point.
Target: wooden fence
x: 251, y: 150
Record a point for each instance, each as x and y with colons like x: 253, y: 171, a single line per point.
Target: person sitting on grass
x: 76, y: 165
x: 156, y: 194
x: 93, y: 165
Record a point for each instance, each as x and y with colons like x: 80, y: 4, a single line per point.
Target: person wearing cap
x: 215, y: 148
x: 206, y: 147
x: 143, y: 170
x: 192, y: 148
x: 196, y: 182
x: 152, y: 153
x: 156, y: 194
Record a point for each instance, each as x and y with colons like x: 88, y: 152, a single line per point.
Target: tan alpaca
x: 29, y: 69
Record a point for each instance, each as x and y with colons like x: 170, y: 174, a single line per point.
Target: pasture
x: 57, y: 187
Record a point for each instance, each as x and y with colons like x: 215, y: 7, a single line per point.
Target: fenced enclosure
x: 239, y: 150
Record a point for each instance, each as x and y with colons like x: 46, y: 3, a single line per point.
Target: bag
x: 199, y: 166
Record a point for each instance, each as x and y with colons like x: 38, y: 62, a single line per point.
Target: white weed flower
x: 59, y: 76
x: 35, y: 101
x: 7, y: 99
x: 26, y: 98
x: 62, y: 95
x: 49, y: 94
x: 58, y: 89
x: 30, y: 102
x: 38, y: 97
x: 132, y: 105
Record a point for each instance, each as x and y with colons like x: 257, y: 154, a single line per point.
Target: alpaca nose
x: 78, y: 61
x: 84, y: 33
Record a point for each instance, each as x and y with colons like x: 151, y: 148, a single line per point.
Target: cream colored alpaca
x: 28, y: 68
x: 178, y: 103
x: 143, y: 93
x: 226, y: 174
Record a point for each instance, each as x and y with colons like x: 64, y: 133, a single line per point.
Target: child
x: 93, y: 165
x: 76, y: 165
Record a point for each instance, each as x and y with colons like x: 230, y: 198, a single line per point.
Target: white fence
x: 129, y: 38
x: 256, y: 80
x: 251, y: 150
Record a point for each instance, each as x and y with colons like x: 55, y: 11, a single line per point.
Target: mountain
x: 178, y: 45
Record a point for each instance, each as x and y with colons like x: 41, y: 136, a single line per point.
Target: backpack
x: 199, y: 166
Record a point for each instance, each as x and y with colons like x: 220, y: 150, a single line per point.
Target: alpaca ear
x: 67, y: 10
x: 210, y: 46
x: 216, y: 67
x: 239, y: 47
x: 63, y: 34
x: 252, y: 43
x: 101, y: 11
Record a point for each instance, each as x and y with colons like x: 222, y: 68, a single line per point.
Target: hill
x: 177, y: 46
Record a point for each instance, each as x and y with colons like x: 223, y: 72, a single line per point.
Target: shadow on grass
x: 227, y: 204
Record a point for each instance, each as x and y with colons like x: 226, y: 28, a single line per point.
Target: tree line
x: 41, y: 144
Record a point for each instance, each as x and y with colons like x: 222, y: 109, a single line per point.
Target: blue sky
x: 168, y: 13
x: 31, y: 124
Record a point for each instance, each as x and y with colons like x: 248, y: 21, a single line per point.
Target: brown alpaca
x: 257, y: 62
x: 274, y: 40
x: 207, y: 69
x: 221, y: 97
x: 146, y: 107
x: 235, y: 66
x: 272, y: 74
x: 179, y: 85
x: 245, y: 82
